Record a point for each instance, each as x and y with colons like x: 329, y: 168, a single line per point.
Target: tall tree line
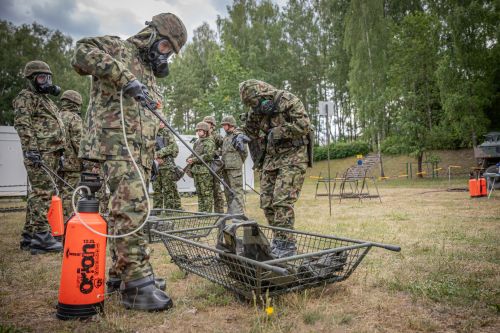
x: 404, y: 75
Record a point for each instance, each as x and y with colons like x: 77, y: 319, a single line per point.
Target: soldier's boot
x: 25, y: 242
x: 113, y: 284
x: 43, y: 242
x: 142, y: 294
x: 282, y: 248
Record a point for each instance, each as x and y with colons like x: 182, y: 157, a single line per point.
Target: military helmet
x: 210, y: 120
x: 252, y: 88
x: 171, y: 27
x: 229, y: 120
x: 203, y: 126
x: 73, y: 96
x: 36, y: 66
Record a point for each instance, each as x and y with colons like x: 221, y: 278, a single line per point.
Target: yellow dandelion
x: 269, y: 310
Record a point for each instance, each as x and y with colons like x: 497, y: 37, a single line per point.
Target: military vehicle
x: 487, y: 155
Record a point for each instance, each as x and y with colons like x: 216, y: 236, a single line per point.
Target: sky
x: 79, y: 18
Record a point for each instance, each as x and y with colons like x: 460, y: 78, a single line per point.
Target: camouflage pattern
x: 205, y: 148
x: 72, y: 165
x: 166, y: 194
x: 40, y: 128
x: 232, y: 173
x: 36, y: 66
x: 113, y: 63
x: 128, y: 211
x: 73, y: 96
x: 217, y: 188
x: 229, y: 120
x: 285, y: 132
x: 171, y: 27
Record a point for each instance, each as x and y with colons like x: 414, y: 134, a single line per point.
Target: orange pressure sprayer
x: 81, y: 291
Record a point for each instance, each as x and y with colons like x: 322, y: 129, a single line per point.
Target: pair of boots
x: 40, y: 242
x: 282, y: 248
x: 142, y: 294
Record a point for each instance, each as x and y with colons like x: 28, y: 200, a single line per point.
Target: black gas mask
x: 265, y: 106
x: 158, y: 56
x: 43, y: 84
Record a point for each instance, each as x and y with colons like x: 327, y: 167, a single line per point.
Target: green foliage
x: 341, y: 150
x: 24, y: 43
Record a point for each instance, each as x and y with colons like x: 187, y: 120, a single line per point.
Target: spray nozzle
x: 92, y: 181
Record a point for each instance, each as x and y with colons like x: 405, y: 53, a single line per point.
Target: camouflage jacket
x: 205, y: 148
x: 218, y: 141
x: 168, y: 150
x: 73, y: 128
x: 113, y: 63
x: 284, y: 132
x: 232, y: 158
x: 38, y: 122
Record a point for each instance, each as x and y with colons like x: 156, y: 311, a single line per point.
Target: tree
x: 412, y: 85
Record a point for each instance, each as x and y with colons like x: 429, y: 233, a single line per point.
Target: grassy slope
x: 445, y: 279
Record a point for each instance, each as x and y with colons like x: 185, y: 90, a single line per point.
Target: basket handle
x: 389, y: 247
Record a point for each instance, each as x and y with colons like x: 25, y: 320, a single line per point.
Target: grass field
x: 445, y: 279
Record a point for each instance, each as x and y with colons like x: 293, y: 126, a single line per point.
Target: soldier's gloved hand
x: 239, y: 141
x: 136, y: 90
x: 35, y: 157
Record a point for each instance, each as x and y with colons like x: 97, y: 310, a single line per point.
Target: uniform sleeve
x: 251, y: 127
x: 171, y: 149
x: 297, y: 123
x: 23, y: 108
x: 94, y: 56
x: 76, y: 133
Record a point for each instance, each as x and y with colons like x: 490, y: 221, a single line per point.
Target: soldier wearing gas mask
x: 279, y: 123
x: 122, y: 71
x: 41, y: 130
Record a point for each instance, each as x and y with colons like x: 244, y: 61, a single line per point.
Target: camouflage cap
x: 73, y: 96
x: 36, y: 66
x: 171, y: 27
x: 252, y: 88
x: 229, y: 120
x: 210, y: 120
x: 203, y: 126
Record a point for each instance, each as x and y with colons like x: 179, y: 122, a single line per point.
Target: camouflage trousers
x: 166, y: 194
x: 40, y: 196
x: 280, y: 189
x: 128, y: 209
x: 218, y: 195
x: 235, y: 202
x: 72, y: 178
x: 204, y: 183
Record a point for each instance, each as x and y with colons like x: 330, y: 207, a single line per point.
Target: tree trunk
x: 382, y: 174
x: 419, y: 162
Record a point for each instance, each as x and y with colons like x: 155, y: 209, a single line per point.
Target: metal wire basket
x: 319, y: 260
x: 172, y: 219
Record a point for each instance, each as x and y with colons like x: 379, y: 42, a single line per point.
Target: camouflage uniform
x: 40, y: 128
x: 71, y: 102
x: 165, y: 188
x: 232, y: 172
x: 113, y: 63
x: 205, y: 148
x: 285, y: 131
x: 217, y: 190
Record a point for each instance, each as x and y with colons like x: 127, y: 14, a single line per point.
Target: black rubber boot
x: 142, y: 294
x: 282, y: 248
x: 113, y: 284
x: 25, y: 242
x: 43, y: 242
